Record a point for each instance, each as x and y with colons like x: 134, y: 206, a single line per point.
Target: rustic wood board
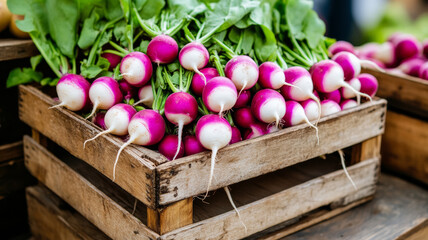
x: 51, y: 218
x: 11, y: 151
x: 188, y: 176
x: 404, y: 92
x: 398, y: 207
x: 82, y: 195
x: 13, y: 177
x: 16, y: 48
x: 405, y: 146
x: 134, y: 172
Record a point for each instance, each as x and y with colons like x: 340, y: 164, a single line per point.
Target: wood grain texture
x: 366, y: 150
x: 16, y: 48
x: 134, y: 172
x: 398, y: 207
x: 11, y: 151
x: 92, y: 203
x: 419, y: 232
x: 407, y: 93
x: 172, y: 217
x: 50, y: 218
x: 281, y: 206
x: 188, y: 176
x: 405, y: 146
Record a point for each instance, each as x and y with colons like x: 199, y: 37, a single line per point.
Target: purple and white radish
x: 411, y: 66
x: 199, y: 82
x: 214, y: 133
x: 145, y: 96
x: 243, y: 72
x: 335, y: 96
x: 181, y: 109
x: 257, y: 129
x: 236, y: 136
x: 272, y: 76
x: 406, y: 46
x: 219, y: 95
x: 351, y: 65
x: 425, y: 48
x: 99, y: 120
x: 192, y: 145
x: 346, y: 93
x: 73, y: 92
x: 348, y: 103
x: 104, y: 93
x: 244, y: 118
x: 162, y: 49
x: 369, y: 84
x: 385, y: 53
x: 146, y: 127
x: 367, y: 50
x: 329, y: 107
x: 340, y: 46
x: 268, y: 106
x: 116, y: 120
x: 136, y: 68
x: 423, y: 71
x: 296, y: 115
x: 128, y: 91
x: 113, y: 59
x: 312, y: 109
x: 169, y: 145
x: 194, y: 56
x: 243, y: 99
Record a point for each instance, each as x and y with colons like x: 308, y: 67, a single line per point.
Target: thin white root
x: 96, y: 136
x: 58, y: 105
x: 220, y: 114
x: 213, y: 155
x: 277, y: 119
x: 180, y: 131
x: 229, y: 196
x: 94, y: 109
x: 316, y: 129
x: 342, y: 160
x: 132, y: 139
x: 313, y: 97
x: 196, y: 70
x: 135, y: 207
x: 370, y: 64
x: 242, y: 89
x: 359, y: 94
x: 291, y: 85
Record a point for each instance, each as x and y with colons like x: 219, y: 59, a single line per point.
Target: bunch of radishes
x: 401, y: 54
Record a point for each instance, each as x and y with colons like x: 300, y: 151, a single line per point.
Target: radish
x: 128, y: 91
x: 116, y: 121
x: 328, y: 76
x: 335, y: 96
x: 425, y: 48
x: 406, y: 46
x: 145, y: 94
x: 367, y: 50
x: 340, y: 46
x: 219, y: 95
x: 385, y: 53
x: 113, y: 59
x: 73, y: 92
x: 146, y: 127
x: 162, y: 49
x: 268, y: 106
x: 244, y: 118
x: 348, y: 103
x: 272, y: 76
x: 198, y: 82
x: 351, y: 65
x: 169, y: 145
x: 423, y: 71
x: 411, y: 66
x: 295, y: 115
x: 312, y: 109
x: 346, y: 93
x: 136, y: 68
x: 181, y: 109
x: 194, y: 56
x: 243, y: 72
x: 99, y: 120
x: 369, y: 84
x: 329, y: 107
x: 104, y: 93
x: 213, y: 132
x: 236, y: 136
x: 192, y: 145
x: 243, y: 99
x: 257, y: 129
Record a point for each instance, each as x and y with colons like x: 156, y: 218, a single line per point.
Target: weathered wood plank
x: 82, y: 195
x: 407, y: 93
x: 281, y: 206
x: 134, y: 172
x: 188, y: 176
x: 16, y: 48
x: 405, y: 146
x: 11, y: 151
x: 49, y: 219
x: 420, y: 232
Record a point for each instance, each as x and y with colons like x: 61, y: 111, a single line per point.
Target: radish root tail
x: 313, y: 97
x: 229, y: 196
x: 213, y: 155
x: 243, y: 88
x: 196, y: 70
x: 342, y: 161
x: 180, y: 131
x: 58, y: 105
x: 96, y: 136
x: 370, y: 64
x: 132, y: 139
x: 316, y: 129
x: 94, y: 109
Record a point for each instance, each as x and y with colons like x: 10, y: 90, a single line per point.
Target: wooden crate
x: 404, y: 145
x: 166, y: 188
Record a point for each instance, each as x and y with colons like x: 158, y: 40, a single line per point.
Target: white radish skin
x: 312, y: 109
x: 272, y: 76
x: 243, y: 72
x: 355, y: 84
x: 296, y: 115
x: 219, y: 95
x: 268, y: 106
x: 136, y: 68
x: 73, y: 92
x: 145, y: 94
x: 194, y: 56
x: 104, y: 94
x: 347, y: 104
x: 351, y: 65
x: 329, y: 107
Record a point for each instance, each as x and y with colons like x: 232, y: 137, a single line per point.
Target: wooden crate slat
x: 404, y: 92
x: 48, y: 218
x: 97, y: 207
x: 11, y: 151
x: 188, y: 176
x: 16, y: 48
x: 134, y: 172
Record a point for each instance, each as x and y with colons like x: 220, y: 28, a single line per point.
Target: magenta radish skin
x: 243, y: 72
x: 300, y: 77
x: 194, y: 56
x: 350, y: 64
x: 256, y: 130
x: 367, y: 50
x: 406, y: 46
x: 268, y: 106
x: 346, y: 93
x: 340, y: 46
x: 296, y: 115
x: 128, y: 91
x: 113, y: 59
x: 99, y: 120
x: 219, y: 94
x: 385, y: 53
x: 425, y: 48
x: 104, y: 93
x: 168, y: 146
x: 329, y: 107
x: 236, y: 136
x: 192, y: 145
x: 243, y: 99
x: 73, y: 92
x: 423, y: 71
x: 136, y: 68
x: 145, y: 96
x: 335, y: 96
x: 312, y: 109
x: 244, y: 118
x: 348, y: 103
x: 162, y: 49
x: 198, y: 82
x: 369, y: 84
x: 411, y: 66
x: 271, y: 75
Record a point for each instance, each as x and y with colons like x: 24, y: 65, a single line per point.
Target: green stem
x: 297, y: 46
x: 323, y: 50
x: 169, y: 82
x: 227, y: 50
x: 309, y: 53
x: 281, y: 61
x: 180, y: 73
x: 43, y: 53
x: 295, y: 55
x: 189, y: 80
x: 159, y: 77
x: 200, y: 31
x: 114, y: 52
x: 118, y: 48
x: 143, y: 25
x: 202, y: 107
x: 207, y: 36
x: 217, y: 63
x: 131, y: 42
x: 172, y: 31
x: 230, y: 119
x: 238, y: 46
x: 189, y: 36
